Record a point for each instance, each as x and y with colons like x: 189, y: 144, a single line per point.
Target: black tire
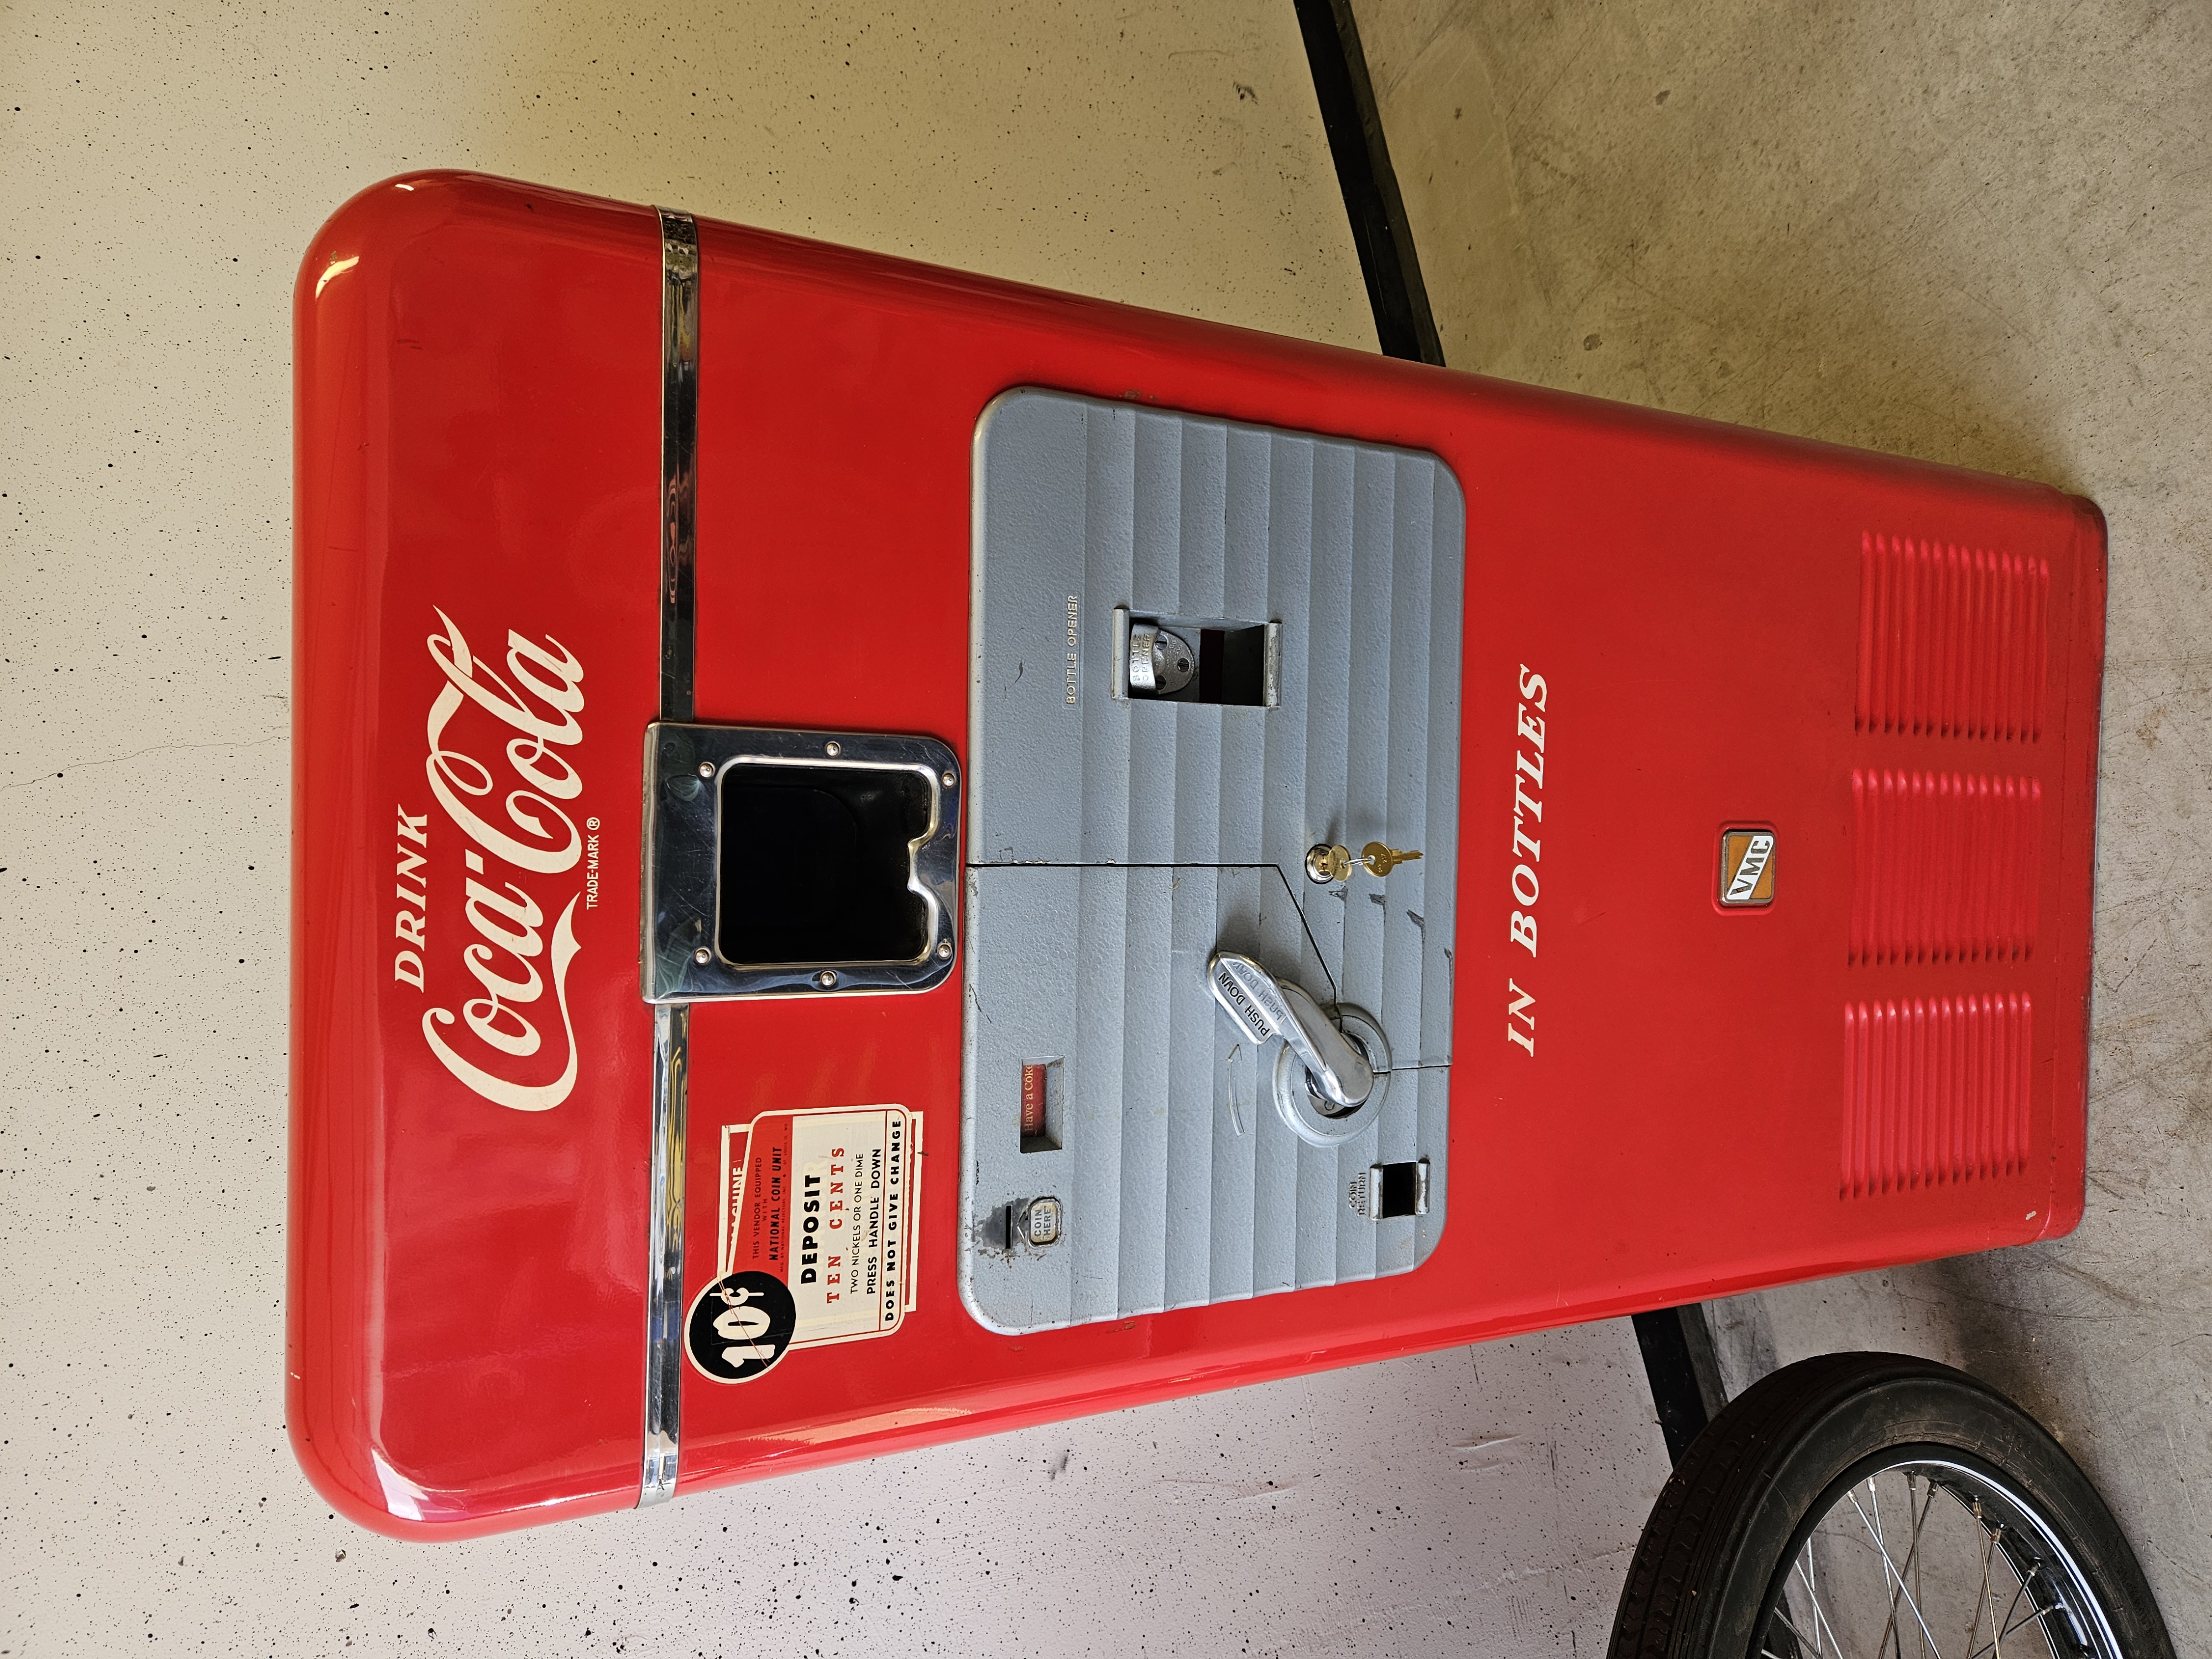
x: 1729, y: 1527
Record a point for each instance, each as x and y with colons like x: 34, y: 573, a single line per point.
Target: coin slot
x: 816, y: 865
x: 1036, y: 1222
x: 1041, y: 1106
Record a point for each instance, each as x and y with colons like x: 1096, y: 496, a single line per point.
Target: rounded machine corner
x: 2066, y: 1211
x: 1426, y: 1239
x: 975, y: 1311
x: 1450, y: 474
x: 1006, y: 398
x: 372, y: 226
x: 371, y: 220
x: 348, y: 1486
x: 2090, y: 519
x: 361, y: 1484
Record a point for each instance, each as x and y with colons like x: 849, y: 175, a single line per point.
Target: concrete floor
x: 1973, y: 233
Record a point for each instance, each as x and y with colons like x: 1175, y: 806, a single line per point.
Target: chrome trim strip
x: 672, y: 1026
x: 679, y: 457
x: 663, y: 1316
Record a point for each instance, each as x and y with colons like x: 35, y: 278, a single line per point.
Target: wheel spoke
x: 1919, y: 1514
x: 1903, y: 1590
x: 1913, y: 1559
x: 1804, y: 1645
x: 1882, y: 1546
x: 2018, y: 1590
x: 2035, y: 1618
x: 1820, y: 1621
x: 1989, y: 1597
x: 1890, y: 1633
x: 1812, y: 1594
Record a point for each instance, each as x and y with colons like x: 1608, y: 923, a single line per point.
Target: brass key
x: 1380, y: 861
x: 1327, y: 864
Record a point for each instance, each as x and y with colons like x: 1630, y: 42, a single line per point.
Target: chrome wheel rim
x: 1922, y: 1553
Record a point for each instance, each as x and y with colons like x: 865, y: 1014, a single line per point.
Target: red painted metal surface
x: 1711, y: 628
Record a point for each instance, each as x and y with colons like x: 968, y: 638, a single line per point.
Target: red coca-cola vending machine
x: 882, y: 856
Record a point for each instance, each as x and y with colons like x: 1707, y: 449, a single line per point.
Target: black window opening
x: 814, y: 864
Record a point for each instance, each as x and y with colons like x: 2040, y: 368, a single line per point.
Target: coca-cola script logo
x: 495, y: 1043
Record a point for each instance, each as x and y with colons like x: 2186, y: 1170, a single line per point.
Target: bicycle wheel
x: 1871, y: 1505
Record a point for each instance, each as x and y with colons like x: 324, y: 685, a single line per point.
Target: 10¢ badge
x: 740, y: 1325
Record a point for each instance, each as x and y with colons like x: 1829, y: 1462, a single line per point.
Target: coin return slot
x: 816, y: 862
x: 1041, y: 1106
x: 1385, y: 1191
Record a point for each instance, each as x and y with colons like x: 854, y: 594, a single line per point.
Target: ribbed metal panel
x: 1937, y: 1090
x: 1951, y: 640
x: 1113, y: 846
x: 1948, y: 867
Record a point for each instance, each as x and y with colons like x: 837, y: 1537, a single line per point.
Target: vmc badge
x: 1747, y: 868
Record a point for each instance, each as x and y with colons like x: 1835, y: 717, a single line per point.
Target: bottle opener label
x: 815, y: 1241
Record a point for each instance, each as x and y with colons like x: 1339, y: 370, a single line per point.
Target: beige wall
x: 162, y: 168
